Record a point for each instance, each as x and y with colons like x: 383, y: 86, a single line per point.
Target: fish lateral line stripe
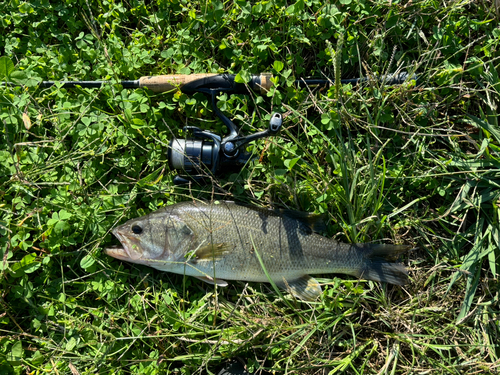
x: 240, y: 226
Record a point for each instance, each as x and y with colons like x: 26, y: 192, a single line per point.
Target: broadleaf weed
x: 416, y: 163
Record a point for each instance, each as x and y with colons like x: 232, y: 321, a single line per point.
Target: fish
x: 217, y: 241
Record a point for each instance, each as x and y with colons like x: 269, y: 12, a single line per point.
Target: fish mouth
x: 128, y: 248
x: 116, y: 251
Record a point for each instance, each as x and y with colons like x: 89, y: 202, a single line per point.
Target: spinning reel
x: 205, y: 150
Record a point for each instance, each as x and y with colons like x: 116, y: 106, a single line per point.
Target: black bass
x: 219, y: 241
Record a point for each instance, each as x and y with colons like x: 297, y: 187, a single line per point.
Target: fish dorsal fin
x: 213, y: 251
x: 315, y: 222
x: 305, y: 287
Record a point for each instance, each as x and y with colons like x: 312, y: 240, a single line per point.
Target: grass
x: 417, y: 163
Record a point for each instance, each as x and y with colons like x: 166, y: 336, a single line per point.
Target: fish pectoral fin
x: 305, y: 287
x: 212, y: 281
x: 213, y: 251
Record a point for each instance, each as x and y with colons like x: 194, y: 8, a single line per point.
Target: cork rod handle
x: 166, y: 83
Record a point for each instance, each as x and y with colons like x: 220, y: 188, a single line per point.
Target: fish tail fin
x: 381, y: 264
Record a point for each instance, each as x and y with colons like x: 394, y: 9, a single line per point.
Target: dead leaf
x: 27, y: 121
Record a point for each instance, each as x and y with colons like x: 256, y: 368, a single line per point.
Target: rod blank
x: 389, y: 79
x: 90, y: 84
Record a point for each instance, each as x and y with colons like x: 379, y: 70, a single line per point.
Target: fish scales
x: 218, y: 242
x: 280, y: 241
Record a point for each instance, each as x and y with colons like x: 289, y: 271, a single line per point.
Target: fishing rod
x: 191, y: 83
x: 206, y: 151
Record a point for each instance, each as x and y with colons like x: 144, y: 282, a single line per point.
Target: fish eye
x: 136, y: 229
x: 185, y: 230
